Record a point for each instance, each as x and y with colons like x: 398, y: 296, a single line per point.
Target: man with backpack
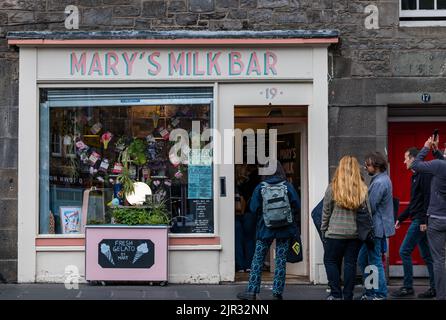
x: 277, y: 205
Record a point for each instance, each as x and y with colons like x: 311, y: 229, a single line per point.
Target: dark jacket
x: 420, y: 191
x: 437, y: 203
x: 256, y: 205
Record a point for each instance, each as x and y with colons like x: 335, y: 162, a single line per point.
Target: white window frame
x: 417, y: 13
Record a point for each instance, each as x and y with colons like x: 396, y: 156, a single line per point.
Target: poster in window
x: 70, y: 218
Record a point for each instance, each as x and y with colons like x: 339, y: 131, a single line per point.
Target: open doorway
x: 291, y: 125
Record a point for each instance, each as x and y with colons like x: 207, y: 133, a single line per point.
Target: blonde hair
x: 349, y: 189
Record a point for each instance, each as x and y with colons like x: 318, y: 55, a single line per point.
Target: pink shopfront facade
x: 147, y: 84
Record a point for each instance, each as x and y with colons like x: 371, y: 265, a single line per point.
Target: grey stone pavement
x: 169, y: 292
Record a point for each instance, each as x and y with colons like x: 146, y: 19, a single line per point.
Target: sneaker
x: 403, y: 292
x: 277, y: 296
x: 363, y: 297
x: 246, y: 296
x: 240, y: 271
x: 330, y: 297
x: 248, y: 270
x: 377, y: 298
x: 429, y: 294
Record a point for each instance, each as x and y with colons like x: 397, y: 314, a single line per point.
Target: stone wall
x: 365, y: 64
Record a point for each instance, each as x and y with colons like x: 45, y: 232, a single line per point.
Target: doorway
x: 291, y: 125
x: 403, y: 135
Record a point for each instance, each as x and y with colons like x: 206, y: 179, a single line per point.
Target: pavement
x: 168, y: 292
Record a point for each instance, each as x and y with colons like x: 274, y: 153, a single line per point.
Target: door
x: 292, y: 153
x: 403, y: 135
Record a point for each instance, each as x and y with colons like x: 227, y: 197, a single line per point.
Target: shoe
x: 363, y: 297
x: 240, y: 271
x: 248, y: 270
x: 330, y: 297
x: 246, y: 296
x: 403, y: 292
x: 377, y: 298
x: 277, y: 296
x: 429, y: 294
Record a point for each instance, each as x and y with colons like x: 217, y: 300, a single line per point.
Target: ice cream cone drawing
x: 140, y: 250
x: 105, y: 250
x: 105, y: 139
x: 155, y: 118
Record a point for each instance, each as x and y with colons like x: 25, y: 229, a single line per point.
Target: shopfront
x: 84, y: 98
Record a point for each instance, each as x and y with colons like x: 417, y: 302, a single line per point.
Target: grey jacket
x: 381, y: 203
x: 437, y: 202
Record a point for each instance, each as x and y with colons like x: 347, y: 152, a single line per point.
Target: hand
x: 423, y: 227
x: 428, y: 143
x: 435, y: 143
x: 397, y: 224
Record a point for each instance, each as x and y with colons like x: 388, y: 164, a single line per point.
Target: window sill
x: 79, y: 240
x: 421, y: 23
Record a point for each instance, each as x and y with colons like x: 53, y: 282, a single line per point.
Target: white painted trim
x: 318, y: 176
x: 431, y: 23
x: 61, y: 236
x: 417, y: 119
x: 28, y: 166
x: 59, y: 248
x: 422, y: 13
x: 196, y: 248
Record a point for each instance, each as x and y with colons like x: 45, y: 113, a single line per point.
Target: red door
x: 403, y: 135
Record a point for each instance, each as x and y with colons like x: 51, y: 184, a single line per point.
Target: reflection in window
x: 82, y: 157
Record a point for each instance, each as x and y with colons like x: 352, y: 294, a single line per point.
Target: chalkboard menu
x: 200, y: 182
x: 126, y: 253
x: 204, y: 215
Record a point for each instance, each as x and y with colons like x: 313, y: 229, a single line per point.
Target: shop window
x: 85, y: 136
x: 422, y: 12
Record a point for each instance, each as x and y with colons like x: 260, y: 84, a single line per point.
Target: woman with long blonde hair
x: 346, y: 193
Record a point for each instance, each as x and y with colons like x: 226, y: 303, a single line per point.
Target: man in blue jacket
x: 436, y: 229
x: 381, y: 202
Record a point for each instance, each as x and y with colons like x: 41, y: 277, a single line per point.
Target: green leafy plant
x: 154, y: 214
x: 137, y: 152
x: 124, y: 177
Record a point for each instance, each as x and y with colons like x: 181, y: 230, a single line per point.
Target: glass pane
x: 427, y: 4
x: 88, y: 152
x: 441, y: 4
x: 408, y: 4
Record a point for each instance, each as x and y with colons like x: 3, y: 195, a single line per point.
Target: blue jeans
x: 255, y: 277
x: 373, y: 257
x: 337, y: 250
x: 413, y: 238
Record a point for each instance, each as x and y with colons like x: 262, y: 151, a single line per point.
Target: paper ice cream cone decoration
x: 105, y: 139
x: 155, y: 118
x: 140, y: 250
x: 105, y: 250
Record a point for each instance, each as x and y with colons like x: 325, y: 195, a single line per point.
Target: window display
x: 92, y: 155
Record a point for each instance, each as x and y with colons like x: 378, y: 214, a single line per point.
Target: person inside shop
x: 346, y: 193
x: 240, y: 211
x: 381, y: 203
x: 436, y: 212
x: 277, y: 207
x: 420, y: 188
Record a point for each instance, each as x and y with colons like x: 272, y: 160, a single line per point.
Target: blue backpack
x: 276, y: 205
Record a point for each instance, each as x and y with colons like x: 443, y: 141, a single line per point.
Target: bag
x: 364, y: 223
x: 294, y: 253
x: 276, y: 205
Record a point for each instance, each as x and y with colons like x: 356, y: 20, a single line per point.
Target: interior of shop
x: 286, y: 120
x: 97, y: 152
